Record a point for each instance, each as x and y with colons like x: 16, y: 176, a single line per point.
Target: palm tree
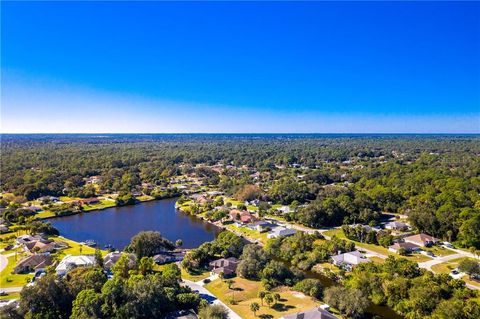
x: 230, y: 283
x: 276, y: 297
x: 449, y: 235
x: 261, y: 295
x: 254, y: 307
x: 269, y: 299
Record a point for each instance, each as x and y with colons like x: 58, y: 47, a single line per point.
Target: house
x: 33, y: 263
x: 227, y: 266
x: 70, y: 262
x: 182, y: 314
x: 40, y: 246
x: 422, y: 240
x: 350, y: 259
x: 26, y: 239
x: 168, y: 257
x: 241, y: 215
x: 4, y: 229
x: 261, y: 225
x: 281, y: 232
x: 94, y: 179
x: 111, y: 258
x: 408, y: 247
x: 46, y: 199
x: 315, y: 313
x: 284, y: 209
x: 396, y: 225
x: 89, y: 201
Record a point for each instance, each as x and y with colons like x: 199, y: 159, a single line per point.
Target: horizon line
x: 238, y: 133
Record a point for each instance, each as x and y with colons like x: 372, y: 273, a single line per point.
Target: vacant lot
x: 244, y: 292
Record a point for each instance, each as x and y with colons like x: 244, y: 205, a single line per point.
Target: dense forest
x: 333, y: 179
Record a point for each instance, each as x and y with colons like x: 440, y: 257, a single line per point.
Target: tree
x: 213, y: 312
x: 145, y: 265
x: 98, y: 258
x: 247, y: 192
x: 254, y: 307
x: 82, y: 278
x: 87, y: 305
x: 469, y: 266
x: 253, y: 260
x: 48, y: 298
x: 148, y: 243
x: 311, y: 287
x: 350, y: 302
x: 276, y: 297
x: 124, y: 265
x: 269, y: 299
x: 261, y: 295
x: 178, y: 242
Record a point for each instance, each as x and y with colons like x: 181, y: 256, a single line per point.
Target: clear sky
x: 240, y: 67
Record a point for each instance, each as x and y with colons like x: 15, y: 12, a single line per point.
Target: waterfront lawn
x: 100, y: 205
x: 197, y: 275
x: 246, y: 291
x: 144, y: 198
x: 7, y: 279
x: 45, y: 214
x: 75, y: 248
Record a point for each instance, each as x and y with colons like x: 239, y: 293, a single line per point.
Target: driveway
x: 3, y: 262
x: 207, y: 295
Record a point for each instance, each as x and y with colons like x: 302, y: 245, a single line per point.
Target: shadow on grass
x: 265, y: 316
x: 280, y: 307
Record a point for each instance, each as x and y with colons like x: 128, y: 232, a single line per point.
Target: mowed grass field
x: 246, y: 292
x: 7, y: 279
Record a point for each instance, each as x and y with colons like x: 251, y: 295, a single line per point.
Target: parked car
x: 3, y: 293
x: 446, y: 244
x: 455, y: 272
x: 9, y: 247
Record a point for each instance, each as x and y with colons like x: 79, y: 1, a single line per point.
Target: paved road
x: 12, y: 289
x: 438, y: 260
x: 204, y: 293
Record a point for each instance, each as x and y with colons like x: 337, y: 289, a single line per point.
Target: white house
x: 70, y: 262
x: 396, y: 225
x: 315, y: 313
x: 350, y: 259
x: 281, y: 232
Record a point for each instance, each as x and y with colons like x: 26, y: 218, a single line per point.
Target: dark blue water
x: 116, y: 226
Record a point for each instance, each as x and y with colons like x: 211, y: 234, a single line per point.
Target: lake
x: 117, y: 225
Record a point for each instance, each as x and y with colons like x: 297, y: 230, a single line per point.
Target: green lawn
x: 252, y: 234
x: 11, y: 295
x: 195, y: 276
x: 448, y: 266
x: 75, y: 248
x: 7, y: 279
x: 439, y: 251
x: 101, y: 205
x: 144, y: 198
x: 45, y: 214
x: 246, y: 291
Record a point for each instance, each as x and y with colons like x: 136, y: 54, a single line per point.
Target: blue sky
x: 240, y: 67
